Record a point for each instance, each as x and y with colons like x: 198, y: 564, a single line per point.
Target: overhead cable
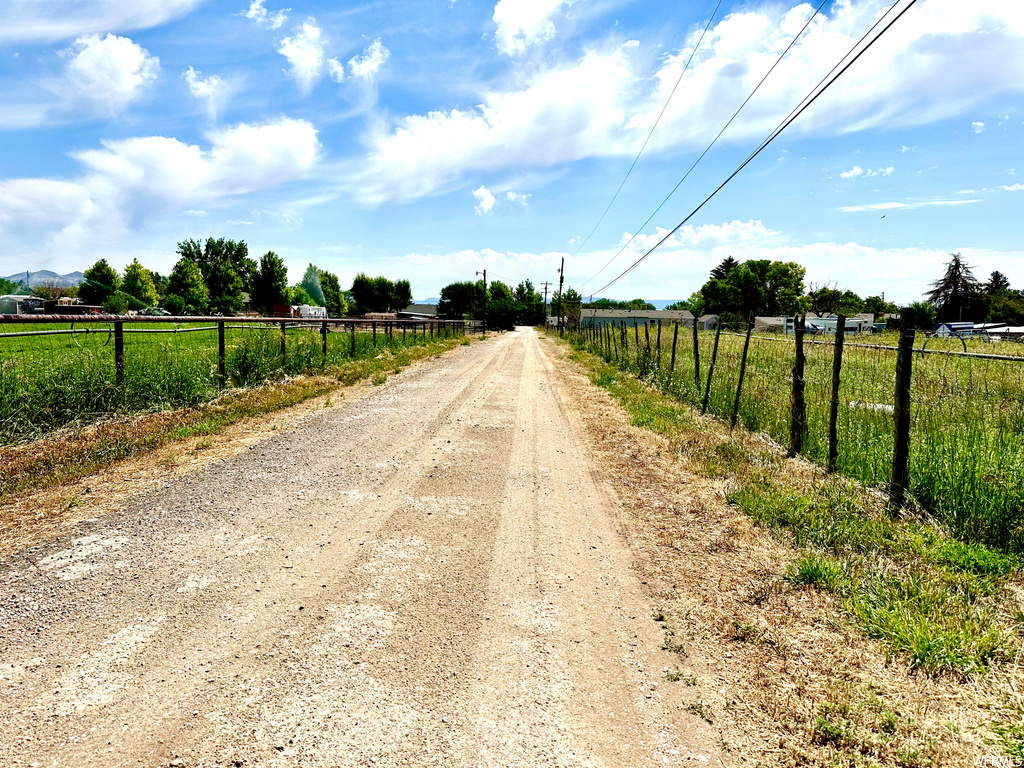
x: 808, y: 100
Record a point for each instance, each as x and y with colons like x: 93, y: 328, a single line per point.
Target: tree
x: 724, y: 269
x: 997, y: 282
x: 678, y: 306
x: 7, y: 287
x: 383, y: 294
x: 214, y: 249
x: 460, y: 299
x: 876, y: 305
x: 401, y: 295
x: 826, y: 300
x: 530, y: 304
x: 311, y: 284
x: 923, y: 315
x: 224, y: 286
x: 957, y: 292
x: 50, y: 290
x: 138, y: 284
x: 270, y: 286
x: 99, y: 284
x: 298, y: 296
x: 764, y: 287
x: 186, y: 291
x: 1006, y: 306
x: 572, y: 307
x: 334, y: 299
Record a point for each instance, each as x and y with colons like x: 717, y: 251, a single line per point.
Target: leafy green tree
x: 7, y: 287
x: 186, y: 291
x: 138, y: 283
x: 401, y: 295
x: 299, y: 296
x: 679, y: 306
x: 363, y: 293
x: 334, y: 299
x: 923, y: 315
x: 205, y: 255
x: 879, y: 306
x: 530, y: 304
x: 957, y: 293
x: 51, y: 290
x: 724, y: 269
x: 224, y: 285
x: 101, y: 281
x: 997, y: 282
x: 766, y: 288
x: 270, y: 285
x: 458, y: 300
x: 1006, y: 306
x: 498, y: 290
x: 383, y: 294
x: 572, y: 307
x: 825, y: 300
x: 311, y: 284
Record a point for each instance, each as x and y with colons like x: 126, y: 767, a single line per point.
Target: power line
x: 651, y: 132
x: 713, y: 142
x: 808, y: 100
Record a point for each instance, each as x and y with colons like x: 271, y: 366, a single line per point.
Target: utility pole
x: 484, y: 273
x: 561, y: 280
x: 546, y: 283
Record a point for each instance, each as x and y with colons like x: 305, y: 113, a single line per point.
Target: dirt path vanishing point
x: 430, y: 575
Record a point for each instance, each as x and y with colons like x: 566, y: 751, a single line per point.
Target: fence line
x: 946, y: 431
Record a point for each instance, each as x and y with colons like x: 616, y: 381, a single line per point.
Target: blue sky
x: 430, y: 139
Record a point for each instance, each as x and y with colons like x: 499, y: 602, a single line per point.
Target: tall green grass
x: 967, y: 416
x: 54, y: 381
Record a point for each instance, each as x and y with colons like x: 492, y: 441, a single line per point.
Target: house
x: 707, y: 322
x: 418, y: 312
x: 19, y: 304
x: 598, y: 318
x: 953, y: 329
x: 773, y: 325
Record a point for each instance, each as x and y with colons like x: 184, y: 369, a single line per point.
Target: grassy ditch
x: 75, y: 453
x: 941, y: 606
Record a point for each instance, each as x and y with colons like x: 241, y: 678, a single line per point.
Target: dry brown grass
x: 790, y: 680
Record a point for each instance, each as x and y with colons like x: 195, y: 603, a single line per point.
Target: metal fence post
x: 833, y: 416
x: 711, y: 368
x: 798, y: 414
x: 901, y: 412
x: 222, y: 367
x: 323, y: 338
x: 743, y: 368
x: 119, y: 353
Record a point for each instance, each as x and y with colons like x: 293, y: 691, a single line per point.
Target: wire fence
x: 964, y: 452
x: 60, y: 371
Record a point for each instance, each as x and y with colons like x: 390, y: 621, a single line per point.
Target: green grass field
x: 57, y: 380
x: 967, y: 434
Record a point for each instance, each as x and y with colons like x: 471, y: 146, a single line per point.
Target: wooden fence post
x: 613, y: 333
x: 373, y: 326
x: 284, y: 348
x: 696, y: 356
x: 659, y: 342
x: 119, y: 353
x: 323, y: 338
x: 625, y: 338
x: 675, y: 340
x: 743, y: 368
x: 901, y: 411
x: 352, y: 330
x: 833, y: 416
x: 222, y: 368
x: 636, y: 336
x: 711, y: 367
x: 798, y: 414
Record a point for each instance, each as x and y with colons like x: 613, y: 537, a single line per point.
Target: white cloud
x: 371, y: 60
x: 109, y: 72
x: 703, y: 236
x: 1014, y: 188
x: 336, y: 70
x: 605, y: 103
x: 65, y: 19
x: 521, y: 198
x: 522, y: 23
x: 561, y: 115
x: 305, y: 53
x: 977, y: 127
x: 485, y: 200
x: 211, y: 88
x: 265, y: 18
x: 891, y: 206
x: 857, y: 171
x: 135, y: 178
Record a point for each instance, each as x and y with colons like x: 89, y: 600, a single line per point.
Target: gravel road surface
x: 430, y: 575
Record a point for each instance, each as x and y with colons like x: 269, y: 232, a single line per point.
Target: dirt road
x: 431, y: 575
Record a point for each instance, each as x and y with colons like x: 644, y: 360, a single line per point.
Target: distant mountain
x: 661, y: 303
x: 432, y: 300
x: 46, y: 276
